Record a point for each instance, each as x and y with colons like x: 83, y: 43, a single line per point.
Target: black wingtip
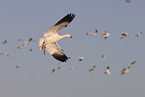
x: 62, y: 58
x: 68, y: 18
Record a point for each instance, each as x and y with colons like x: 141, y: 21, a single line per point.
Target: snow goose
x: 132, y: 64
x: 5, y: 54
x: 94, y: 33
x: 123, y: 34
x: 51, y: 36
x: 103, y: 56
x: 5, y: 42
x: 81, y: 58
x: 107, y: 71
x: 19, y: 65
x: 92, y: 69
x: 125, y: 70
x: 105, y: 34
x: 139, y: 34
x: 59, y: 66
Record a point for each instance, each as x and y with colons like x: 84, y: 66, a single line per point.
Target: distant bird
x: 30, y: 40
x: 123, y: 34
x: 105, y: 34
x: 128, y: 1
x: 19, y: 65
x: 139, y: 34
x: 103, y: 56
x: 59, y: 66
x: 51, y: 36
x: 132, y: 64
x: 53, y: 70
x: 107, y: 71
x: 5, y: 54
x: 81, y: 58
x: 71, y: 68
x: 125, y: 70
x: 31, y: 50
x: 92, y: 69
x: 94, y: 33
x: 5, y: 42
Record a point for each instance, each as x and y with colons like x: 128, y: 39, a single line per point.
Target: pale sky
x: 31, y: 18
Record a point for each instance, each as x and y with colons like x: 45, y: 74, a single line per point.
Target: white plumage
x: 49, y: 42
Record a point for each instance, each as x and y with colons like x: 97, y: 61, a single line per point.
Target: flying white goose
x: 19, y: 65
x: 107, y: 71
x: 5, y: 54
x: 81, y: 58
x: 125, y: 70
x: 123, y: 34
x: 92, y: 69
x: 105, y: 34
x: 51, y: 36
x: 5, y: 42
x: 132, y: 64
x: 94, y: 33
x: 59, y: 66
x: 139, y: 34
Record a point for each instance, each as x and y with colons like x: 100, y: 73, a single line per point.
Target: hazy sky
x: 31, y: 18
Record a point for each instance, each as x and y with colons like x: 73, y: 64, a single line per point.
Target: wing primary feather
x: 62, y: 58
x: 68, y: 18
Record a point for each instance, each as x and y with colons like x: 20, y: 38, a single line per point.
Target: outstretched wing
x: 59, y: 25
x: 56, y: 52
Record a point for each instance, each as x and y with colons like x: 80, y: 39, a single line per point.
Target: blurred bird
x: 132, y: 64
x: 19, y: 65
x: 125, y: 70
x: 107, y: 71
x: 5, y: 54
x: 139, y: 34
x: 103, y: 56
x: 71, y: 68
x: 59, y: 66
x: 51, y: 36
x: 5, y: 42
x: 94, y: 33
x: 53, y: 70
x: 81, y: 58
x: 128, y: 1
x: 92, y: 69
x: 31, y: 50
x: 105, y: 34
x: 123, y: 34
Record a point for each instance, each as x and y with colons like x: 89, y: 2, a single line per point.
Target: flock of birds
x: 49, y: 43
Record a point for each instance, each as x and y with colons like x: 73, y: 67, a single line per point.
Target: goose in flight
x: 5, y: 42
x: 125, y: 70
x: 123, y: 34
x: 81, y: 58
x: 105, y: 34
x: 92, y: 69
x: 107, y: 71
x: 51, y: 36
x: 139, y: 34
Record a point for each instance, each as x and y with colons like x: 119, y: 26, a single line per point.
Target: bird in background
x: 105, y: 34
x: 71, y: 68
x: 5, y: 54
x: 125, y: 70
x: 31, y: 50
x: 107, y: 71
x: 123, y: 34
x: 103, y: 56
x: 5, y: 42
x: 59, y: 66
x: 81, y: 58
x: 53, y: 70
x: 51, y: 36
x: 94, y: 33
x: 132, y: 64
x: 92, y: 69
x: 128, y: 1
x: 18, y: 66
x: 139, y: 34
